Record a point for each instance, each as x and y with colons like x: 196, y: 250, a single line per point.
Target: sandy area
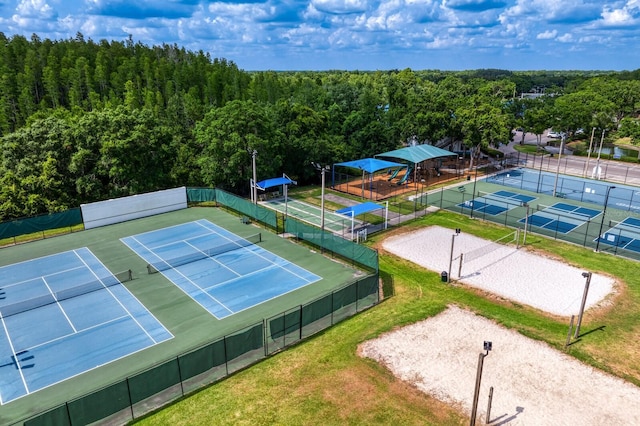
x: 533, y: 383
x: 515, y: 274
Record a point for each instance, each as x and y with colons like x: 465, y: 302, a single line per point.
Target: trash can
x: 444, y: 276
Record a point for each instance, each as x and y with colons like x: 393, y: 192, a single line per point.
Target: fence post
x: 566, y: 343
x: 488, y: 420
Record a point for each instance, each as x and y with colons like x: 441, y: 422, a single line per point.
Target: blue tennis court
x: 63, y: 315
x: 625, y: 235
x: 561, y: 217
x: 221, y: 271
x: 496, y: 203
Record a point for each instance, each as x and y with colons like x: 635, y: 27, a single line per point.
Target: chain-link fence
x: 133, y: 397
x: 611, y: 230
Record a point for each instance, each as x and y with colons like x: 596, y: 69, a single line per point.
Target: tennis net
x: 499, y: 200
x: 52, y: 297
x: 632, y: 226
x: 204, y: 253
x: 563, y: 213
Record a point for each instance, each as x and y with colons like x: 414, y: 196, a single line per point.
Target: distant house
x: 530, y: 95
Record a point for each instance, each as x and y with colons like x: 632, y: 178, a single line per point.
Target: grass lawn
x: 529, y: 149
x: 323, y: 381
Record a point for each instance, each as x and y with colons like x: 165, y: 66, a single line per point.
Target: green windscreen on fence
x: 334, y: 243
x: 56, y: 417
x: 100, y: 404
x: 200, y: 195
x: 283, y: 330
x: 153, y: 381
x: 202, y: 359
x: 344, y: 302
x: 41, y: 223
x: 247, y: 208
x: 245, y: 347
x: 316, y: 315
x: 155, y: 387
x: 138, y: 394
x: 152, y: 388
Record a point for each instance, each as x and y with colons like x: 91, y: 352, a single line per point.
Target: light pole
x: 476, y: 393
x: 254, y: 190
x: 555, y: 183
x: 604, y: 212
x: 586, y: 164
x: 526, y: 224
x: 587, y: 275
x: 473, y: 194
x: 596, y: 170
x: 322, y: 170
x: 453, y: 239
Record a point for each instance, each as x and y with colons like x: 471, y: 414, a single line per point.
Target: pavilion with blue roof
x: 394, y: 172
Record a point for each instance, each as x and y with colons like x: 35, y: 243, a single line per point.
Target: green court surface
x: 564, y: 219
x: 190, y: 324
x: 333, y: 222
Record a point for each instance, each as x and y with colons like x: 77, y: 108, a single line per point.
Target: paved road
x: 609, y: 170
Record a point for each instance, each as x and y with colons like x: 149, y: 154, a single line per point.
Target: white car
x: 553, y: 134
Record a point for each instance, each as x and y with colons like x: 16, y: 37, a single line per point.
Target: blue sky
x: 356, y: 34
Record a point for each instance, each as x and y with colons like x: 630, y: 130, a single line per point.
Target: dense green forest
x: 82, y: 121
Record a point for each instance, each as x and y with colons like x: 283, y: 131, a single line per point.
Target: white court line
x: 186, y: 278
x: 84, y: 371
x: 59, y: 305
x: 263, y: 257
x: 64, y: 336
x: 147, y: 312
x: 215, y: 260
x: 114, y: 296
x: 14, y: 283
x: 15, y: 355
x: 315, y: 213
x: 175, y: 242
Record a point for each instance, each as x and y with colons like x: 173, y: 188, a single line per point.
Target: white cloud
x: 340, y: 6
x: 348, y: 30
x: 547, y: 35
x: 35, y: 9
x: 618, y: 17
x: 565, y: 38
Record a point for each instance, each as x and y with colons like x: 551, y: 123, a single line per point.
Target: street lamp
x: 604, y: 212
x: 322, y: 170
x: 487, y: 347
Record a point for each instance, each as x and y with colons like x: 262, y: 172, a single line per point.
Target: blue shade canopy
x: 417, y: 154
x: 358, y: 209
x: 269, y: 183
x: 370, y: 165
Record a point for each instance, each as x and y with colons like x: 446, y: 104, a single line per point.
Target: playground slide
x: 394, y: 174
x: 406, y: 176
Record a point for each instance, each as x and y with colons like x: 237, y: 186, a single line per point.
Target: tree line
x: 82, y: 121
